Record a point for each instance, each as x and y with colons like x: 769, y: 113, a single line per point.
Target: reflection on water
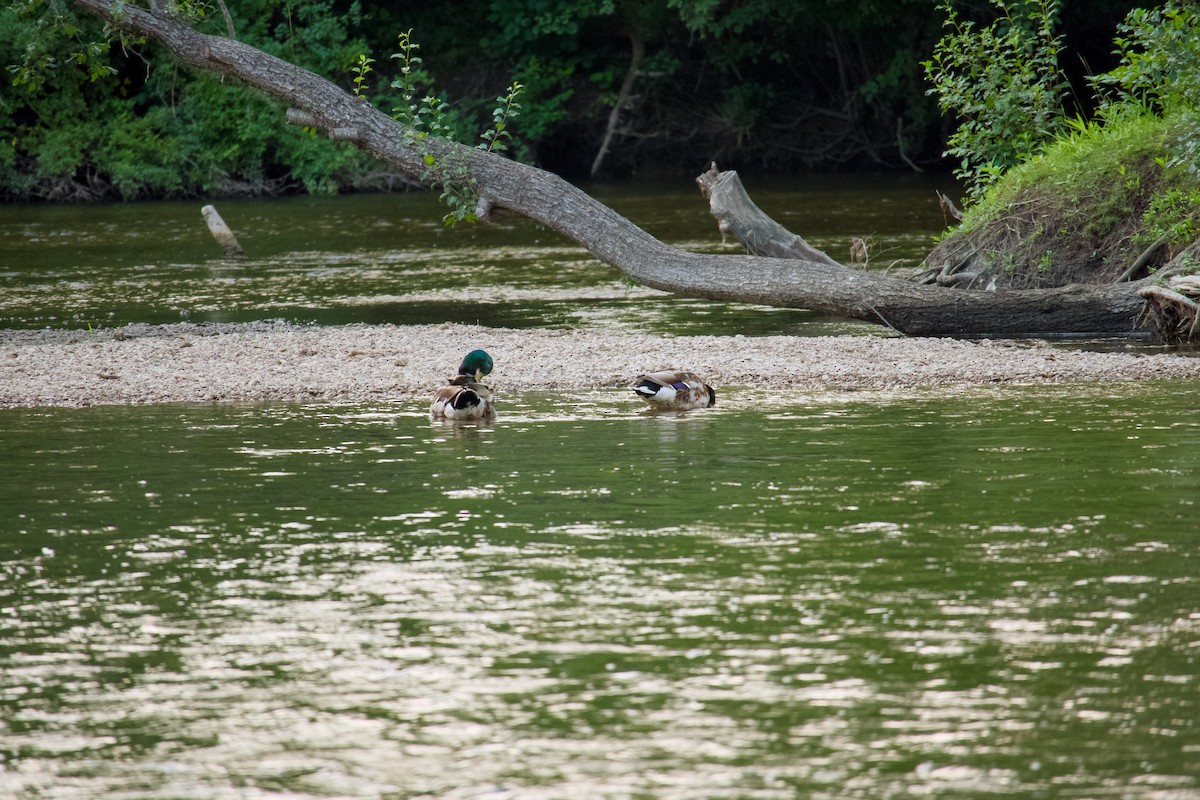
x: 830, y: 598
x: 388, y: 258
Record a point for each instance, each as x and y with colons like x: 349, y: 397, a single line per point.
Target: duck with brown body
x: 466, y: 396
x: 674, y: 390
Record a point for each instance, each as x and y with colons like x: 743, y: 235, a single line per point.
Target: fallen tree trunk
x: 1075, y: 310
x: 810, y: 280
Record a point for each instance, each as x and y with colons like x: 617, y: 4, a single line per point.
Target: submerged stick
x: 222, y: 234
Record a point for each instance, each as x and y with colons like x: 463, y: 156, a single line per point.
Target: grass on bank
x: 1085, y: 208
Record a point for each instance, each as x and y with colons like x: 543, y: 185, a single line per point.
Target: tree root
x: 952, y: 274
x: 1172, y: 311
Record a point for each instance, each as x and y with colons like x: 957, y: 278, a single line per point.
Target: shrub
x: 1003, y: 83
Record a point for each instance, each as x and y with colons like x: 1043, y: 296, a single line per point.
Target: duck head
x: 476, y: 364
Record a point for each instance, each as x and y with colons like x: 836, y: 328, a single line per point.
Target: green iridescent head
x: 476, y: 364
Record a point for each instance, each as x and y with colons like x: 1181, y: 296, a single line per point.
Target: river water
x: 967, y: 593
x: 373, y: 258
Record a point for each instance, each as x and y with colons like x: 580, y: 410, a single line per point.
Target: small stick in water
x: 221, y: 233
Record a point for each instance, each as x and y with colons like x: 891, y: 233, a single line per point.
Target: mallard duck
x: 674, y: 390
x: 466, y: 397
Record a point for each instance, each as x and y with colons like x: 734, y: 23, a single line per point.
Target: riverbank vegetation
x: 612, y: 86
x: 1057, y: 198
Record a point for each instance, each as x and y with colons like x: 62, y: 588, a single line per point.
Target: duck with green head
x: 466, y: 397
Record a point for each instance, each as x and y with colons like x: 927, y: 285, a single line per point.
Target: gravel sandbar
x: 351, y: 363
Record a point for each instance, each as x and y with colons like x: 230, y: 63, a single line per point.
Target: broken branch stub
x: 738, y: 216
x: 222, y: 233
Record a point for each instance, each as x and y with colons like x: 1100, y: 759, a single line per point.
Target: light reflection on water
x: 837, y: 596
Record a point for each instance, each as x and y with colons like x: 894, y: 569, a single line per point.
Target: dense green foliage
x: 147, y: 128
x: 1159, y: 73
x: 1004, y: 84
x: 755, y: 84
x: 1083, y: 203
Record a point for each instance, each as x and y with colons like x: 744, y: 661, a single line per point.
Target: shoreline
x: 275, y: 361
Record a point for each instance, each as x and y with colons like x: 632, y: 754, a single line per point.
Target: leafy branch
x: 507, y: 107
x: 1159, y: 70
x: 361, y: 69
x: 430, y: 118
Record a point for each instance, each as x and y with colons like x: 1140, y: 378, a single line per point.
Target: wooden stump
x: 222, y: 234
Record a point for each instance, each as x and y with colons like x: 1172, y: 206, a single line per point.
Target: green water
x: 388, y: 258
x: 843, y: 596
x: 960, y: 594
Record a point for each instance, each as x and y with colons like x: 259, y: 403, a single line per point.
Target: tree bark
x: 738, y: 216
x: 804, y: 279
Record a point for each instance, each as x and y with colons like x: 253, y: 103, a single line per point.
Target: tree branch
x: 228, y: 19
x: 638, y: 47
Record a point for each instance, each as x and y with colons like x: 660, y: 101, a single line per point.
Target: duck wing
x: 675, y: 389
x: 463, y: 400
